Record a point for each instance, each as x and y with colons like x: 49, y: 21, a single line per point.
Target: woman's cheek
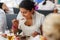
x: 26, y: 15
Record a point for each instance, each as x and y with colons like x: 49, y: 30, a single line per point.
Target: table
x: 31, y: 38
x: 36, y: 38
x: 2, y: 38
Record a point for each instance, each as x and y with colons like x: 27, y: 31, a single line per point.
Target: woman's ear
x: 32, y: 10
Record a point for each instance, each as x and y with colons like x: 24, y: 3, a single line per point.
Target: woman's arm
x: 35, y: 34
x: 42, y: 20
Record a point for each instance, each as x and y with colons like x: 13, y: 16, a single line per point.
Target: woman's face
x: 4, y: 7
x: 26, y: 13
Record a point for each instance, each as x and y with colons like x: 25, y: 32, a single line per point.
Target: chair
x: 16, y: 10
x: 9, y: 18
x: 45, y: 12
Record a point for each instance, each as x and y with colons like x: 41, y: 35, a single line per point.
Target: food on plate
x: 42, y: 38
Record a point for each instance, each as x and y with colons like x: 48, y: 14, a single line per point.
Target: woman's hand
x: 4, y: 35
x: 14, y: 20
x: 15, y: 25
x: 35, y: 34
x: 18, y: 37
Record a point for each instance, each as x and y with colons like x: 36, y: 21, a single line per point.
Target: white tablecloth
x: 2, y: 38
x: 35, y: 38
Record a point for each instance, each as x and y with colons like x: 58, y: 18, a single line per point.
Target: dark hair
x: 28, y: 5
x: 1, y: 5
x: 44, y: 3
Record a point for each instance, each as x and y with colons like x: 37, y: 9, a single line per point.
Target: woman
x: 30, y: 21
x: 3, y: 23
x: 51, y: 27
x: 46, y: 5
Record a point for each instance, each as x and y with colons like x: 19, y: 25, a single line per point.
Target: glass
x: 10, y: 37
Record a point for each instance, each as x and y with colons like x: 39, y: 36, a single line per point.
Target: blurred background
x: 15, y: 3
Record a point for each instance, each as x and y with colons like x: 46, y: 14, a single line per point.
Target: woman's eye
x: 24, y: 12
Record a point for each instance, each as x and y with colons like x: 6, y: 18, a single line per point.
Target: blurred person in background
x: 46, y: 5
x: 4, y: 7
x: 3, y: 23
x: 51, y: 27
